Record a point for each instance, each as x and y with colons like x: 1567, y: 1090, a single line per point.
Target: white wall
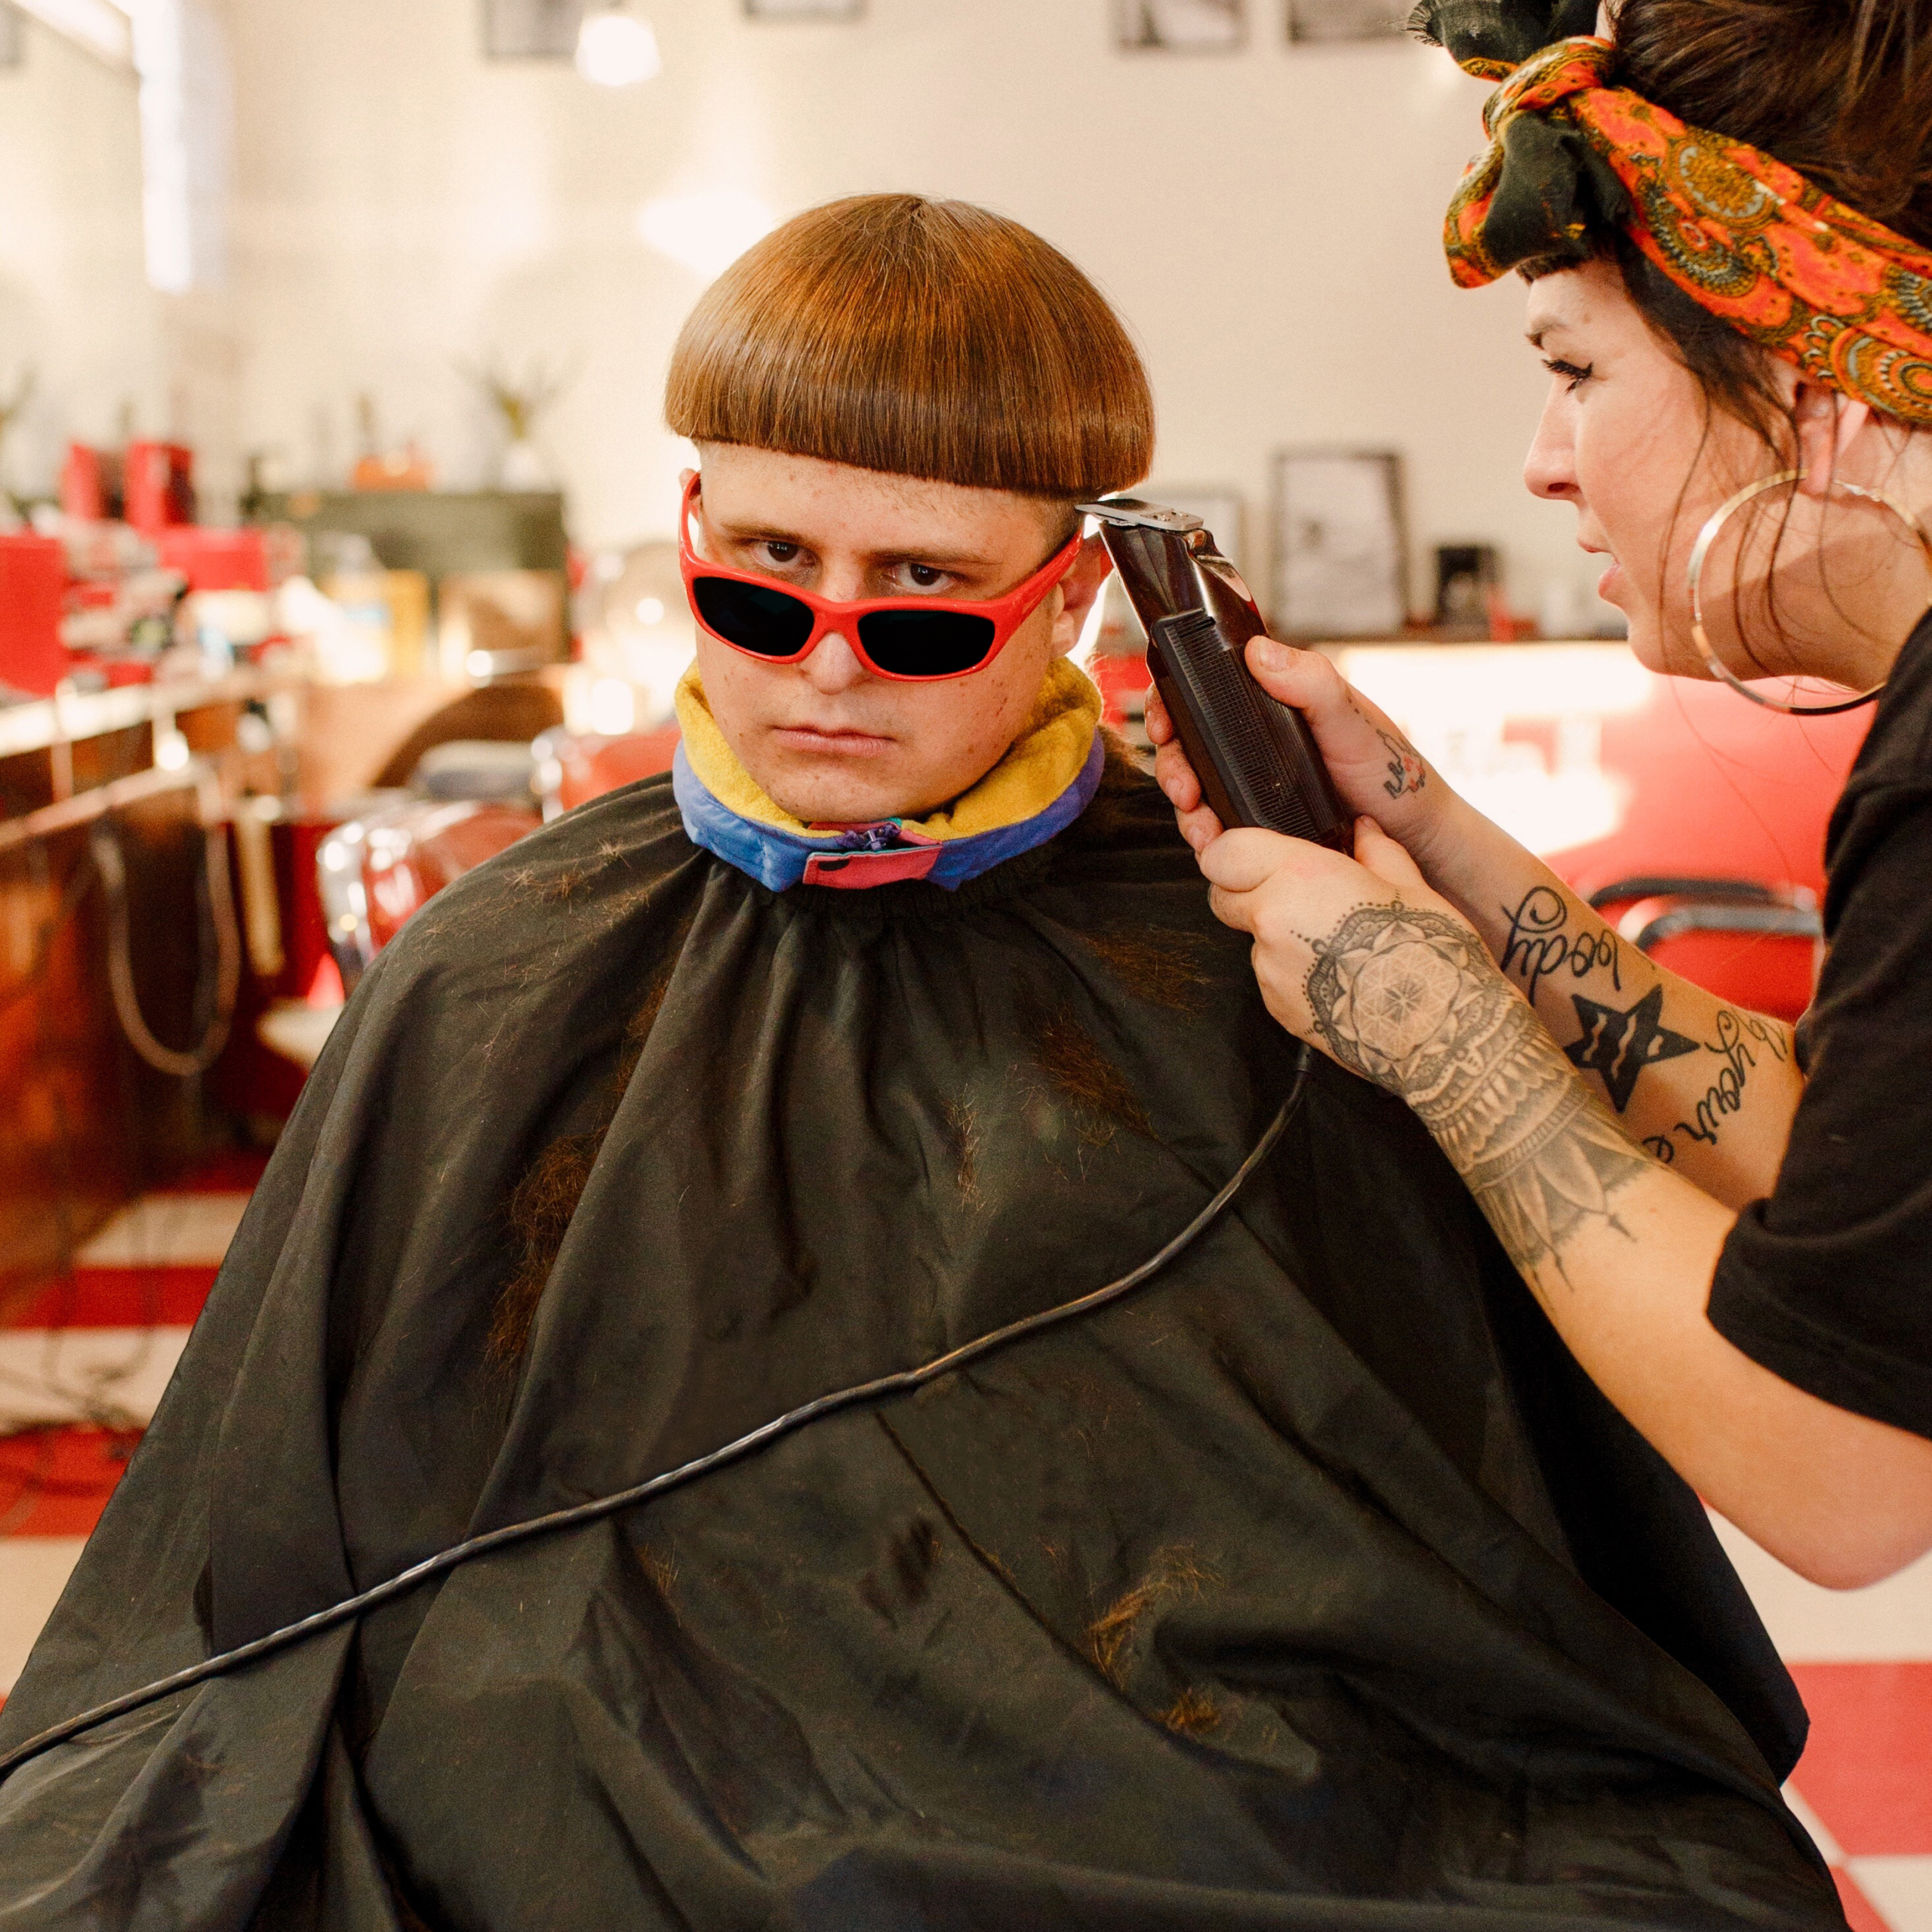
x: 75, y: 306
x: 1268, y: 222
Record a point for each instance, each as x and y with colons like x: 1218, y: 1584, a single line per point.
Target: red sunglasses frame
x: 1006, y: 613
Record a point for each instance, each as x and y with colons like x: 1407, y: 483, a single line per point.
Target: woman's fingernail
x: 1268, y: 652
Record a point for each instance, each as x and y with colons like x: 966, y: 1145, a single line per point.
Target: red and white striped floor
x: 80, y: 1375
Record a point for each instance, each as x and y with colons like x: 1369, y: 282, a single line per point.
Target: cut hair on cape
x: 919, y: 338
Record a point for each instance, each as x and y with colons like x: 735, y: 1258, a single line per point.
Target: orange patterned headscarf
x: 1843, y: 296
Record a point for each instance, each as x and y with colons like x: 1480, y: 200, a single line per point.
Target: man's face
x: 823, y: 738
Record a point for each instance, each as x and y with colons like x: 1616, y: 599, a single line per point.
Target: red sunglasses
x: 911, y: 639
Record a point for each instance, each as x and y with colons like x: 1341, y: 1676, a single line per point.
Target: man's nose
x: 833, y: 666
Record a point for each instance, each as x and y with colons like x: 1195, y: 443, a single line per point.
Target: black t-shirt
x: 1829, y: 1283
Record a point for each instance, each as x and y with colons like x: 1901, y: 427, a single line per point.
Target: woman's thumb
x: 1385, y: 858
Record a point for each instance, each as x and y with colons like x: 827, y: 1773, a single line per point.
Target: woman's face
x: 1817, y: 581
x: 1626, y: 437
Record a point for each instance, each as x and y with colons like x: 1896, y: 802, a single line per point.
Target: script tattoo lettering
x: 1539, y: 942
x: 1407, y: 772
x: 1726, y: 1092
x: 1619, y: 1044
x: 1408, y: 998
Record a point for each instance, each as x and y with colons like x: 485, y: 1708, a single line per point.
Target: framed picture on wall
x: 1347, y: 19
x: 804, y: 10
x: 531, y: 29
x: 1209, y: 26
x: 13, y: 35
x: 1341, y: 544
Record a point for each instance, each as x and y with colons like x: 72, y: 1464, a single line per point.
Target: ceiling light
x: 707, y: 232
x: 616, y: 49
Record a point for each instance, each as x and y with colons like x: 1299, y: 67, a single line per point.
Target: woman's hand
x: 1356, y: 956
x: 1377, y: 771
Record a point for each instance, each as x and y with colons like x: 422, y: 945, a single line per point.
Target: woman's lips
x: 1611, y: 582
x: 834, y: 742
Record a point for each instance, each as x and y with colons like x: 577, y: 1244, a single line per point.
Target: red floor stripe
x: 55, y: 1482
x: 118, y: 1298
x: 1867, y: 1771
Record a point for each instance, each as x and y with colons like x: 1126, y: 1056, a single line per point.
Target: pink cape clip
x: 853, y: 872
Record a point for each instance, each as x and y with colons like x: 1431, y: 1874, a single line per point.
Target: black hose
x: 901, y: 1382
x: 220, y: 976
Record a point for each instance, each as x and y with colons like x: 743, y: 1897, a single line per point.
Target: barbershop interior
x: 347, y: 548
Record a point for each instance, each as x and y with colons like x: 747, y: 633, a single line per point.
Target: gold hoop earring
x: 1701, y: 549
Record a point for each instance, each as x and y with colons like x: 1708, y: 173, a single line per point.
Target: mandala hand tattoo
x: 1408, y: 998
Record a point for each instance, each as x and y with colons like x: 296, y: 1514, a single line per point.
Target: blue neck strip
x: 777, y: 859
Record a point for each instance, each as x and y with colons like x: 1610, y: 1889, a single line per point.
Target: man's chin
x: 836, y: 797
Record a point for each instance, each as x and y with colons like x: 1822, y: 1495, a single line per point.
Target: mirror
x: 81, y: 343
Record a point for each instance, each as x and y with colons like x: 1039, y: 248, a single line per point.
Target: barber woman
x: 1724, y: 218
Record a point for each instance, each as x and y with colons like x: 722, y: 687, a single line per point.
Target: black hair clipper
x: 1255, y: 756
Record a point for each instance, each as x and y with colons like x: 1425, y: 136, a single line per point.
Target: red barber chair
x: 1758, y: 946
x: 376, y: 870
x: 573, y: 767
x: 1718, y: 868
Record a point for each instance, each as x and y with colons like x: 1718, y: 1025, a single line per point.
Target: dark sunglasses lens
x: 768, y: 623
x: 926, y: 643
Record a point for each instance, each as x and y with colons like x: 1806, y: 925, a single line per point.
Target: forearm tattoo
x: 1731, y: 1047
x: 1621, y: 1038
x: 1539, y: 942
x: 1619, y: 1042
x: 1407, y: 775
x: 1408, y: 998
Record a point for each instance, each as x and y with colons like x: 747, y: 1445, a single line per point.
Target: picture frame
x: 804, y: 10
x: 1319, y: 21
x: 531, y: 29
x: 1180, y: 26
x: 1340, y: 544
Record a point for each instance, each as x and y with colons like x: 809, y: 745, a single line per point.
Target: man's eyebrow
x: 938, y: 559
x: 751, y: 531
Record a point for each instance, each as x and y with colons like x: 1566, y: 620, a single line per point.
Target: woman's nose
x: 1550, y: 469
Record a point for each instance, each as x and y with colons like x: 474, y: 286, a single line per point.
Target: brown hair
x: 1839, y: 89
x: 921, y: 338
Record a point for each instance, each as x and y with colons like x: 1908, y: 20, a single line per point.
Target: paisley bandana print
x: 1843, y: 297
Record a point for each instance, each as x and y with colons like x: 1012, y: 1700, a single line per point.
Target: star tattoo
x: 1619, y: 1043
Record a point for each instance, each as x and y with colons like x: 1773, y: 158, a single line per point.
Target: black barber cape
x: 1311, y: 1586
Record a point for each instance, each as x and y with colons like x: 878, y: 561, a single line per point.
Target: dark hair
x: 1839, y: 89
x: 922, y: 338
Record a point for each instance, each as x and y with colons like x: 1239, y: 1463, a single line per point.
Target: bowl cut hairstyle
x: 920, y: 338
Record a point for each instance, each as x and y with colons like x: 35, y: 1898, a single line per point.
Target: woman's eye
x: 1572, y: 374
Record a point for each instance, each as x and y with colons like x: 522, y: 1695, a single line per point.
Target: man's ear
x: 1829, y: 422
x: 1078, y: 590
